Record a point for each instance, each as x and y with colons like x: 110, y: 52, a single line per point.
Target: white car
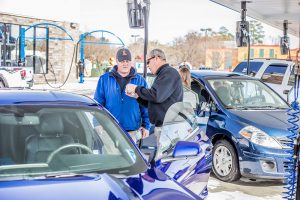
x: 13, y: 77
x: 276, y: 73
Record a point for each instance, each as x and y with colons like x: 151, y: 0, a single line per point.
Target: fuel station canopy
x: 271, y: 12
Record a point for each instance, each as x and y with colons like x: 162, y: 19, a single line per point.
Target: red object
x: 23, y: 73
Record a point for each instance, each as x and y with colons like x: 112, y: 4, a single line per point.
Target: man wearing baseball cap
x: 110, y: 92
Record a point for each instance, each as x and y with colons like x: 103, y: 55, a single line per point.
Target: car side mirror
x: 182, y: 151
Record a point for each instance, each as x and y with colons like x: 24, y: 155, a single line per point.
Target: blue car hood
x: 97, y: 187
x: 270, y: 121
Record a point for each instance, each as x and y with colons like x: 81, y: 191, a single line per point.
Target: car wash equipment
x: 82, y: 42
x: 242, y: 32
x: 47, y: 38
x: 81, y: 67
x: 138, y: 16
x: 291, y: 162
x: 285, y: 40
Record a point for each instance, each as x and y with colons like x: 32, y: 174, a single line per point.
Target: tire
x: 2, y: 84
x: 225, y: 162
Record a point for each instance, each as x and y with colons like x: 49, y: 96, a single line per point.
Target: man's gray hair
x: 157, y: 52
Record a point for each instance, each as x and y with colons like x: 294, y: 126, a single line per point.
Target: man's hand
x: 145, y: 132
x: 130, y: 90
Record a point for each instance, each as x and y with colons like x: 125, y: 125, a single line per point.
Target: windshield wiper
x: 266, y: 107
x: 61, y: 175
x: 241, y: 107
x: 277, y: 107
x: 229, y: 107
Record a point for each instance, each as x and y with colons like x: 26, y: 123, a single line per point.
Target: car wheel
x: 225, y: 162
x: 2, y: 85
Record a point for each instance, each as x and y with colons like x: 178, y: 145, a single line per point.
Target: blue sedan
x: 56, y: 145
x: 247, y: 125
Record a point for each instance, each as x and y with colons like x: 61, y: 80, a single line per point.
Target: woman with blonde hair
x: 188, y: 94
x: 185, y: 74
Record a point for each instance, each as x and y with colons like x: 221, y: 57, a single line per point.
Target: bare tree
x: 191, y: 47
x: 97, y: 53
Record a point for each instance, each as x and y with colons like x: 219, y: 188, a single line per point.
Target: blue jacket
x: 130, y: 114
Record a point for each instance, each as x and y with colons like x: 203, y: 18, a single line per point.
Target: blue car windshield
x: 62, y: 140
x: 246, y: 94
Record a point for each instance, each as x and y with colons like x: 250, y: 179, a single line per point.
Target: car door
x: 182, y: 124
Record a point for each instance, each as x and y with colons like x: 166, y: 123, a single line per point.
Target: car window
x: 274, y: 74
x: 191, y: 97
x: 246, y: 94
x: 42, y: 141
x: 254, y: 67
x: 203, y: 95
x: 179, y: 124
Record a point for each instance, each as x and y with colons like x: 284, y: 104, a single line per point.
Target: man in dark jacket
x: 110, y: 93
x: 166, y: 90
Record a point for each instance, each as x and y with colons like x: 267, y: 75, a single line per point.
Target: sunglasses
x: 148, y: 61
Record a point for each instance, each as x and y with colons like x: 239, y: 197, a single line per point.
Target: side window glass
x: 202, y: 94
x: 274, y: 74
x: 191, y: 97
x: 292, y: 78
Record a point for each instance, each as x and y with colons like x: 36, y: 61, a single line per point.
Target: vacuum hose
x: 291, y: 162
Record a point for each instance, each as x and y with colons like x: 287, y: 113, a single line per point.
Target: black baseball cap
x: 123, y: 54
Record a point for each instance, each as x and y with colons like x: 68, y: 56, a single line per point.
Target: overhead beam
x: 284, y: 10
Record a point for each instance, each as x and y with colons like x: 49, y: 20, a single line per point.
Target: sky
x: 168, y: 19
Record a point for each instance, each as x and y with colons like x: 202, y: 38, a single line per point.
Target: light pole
x: 135, y: 36
x: 205, y: 30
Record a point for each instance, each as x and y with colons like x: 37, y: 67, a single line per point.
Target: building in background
x: 54, y: 55
x: 225, y: 59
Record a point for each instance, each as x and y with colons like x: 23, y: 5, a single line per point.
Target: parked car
x: 67, y: 146
x: 12, y: 77
x: 247, y: 125
x: 278, y: 74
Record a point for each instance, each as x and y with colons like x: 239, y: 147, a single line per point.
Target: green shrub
x: 95, y: 72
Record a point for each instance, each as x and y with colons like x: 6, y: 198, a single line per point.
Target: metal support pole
x: 22, y: 46
x: 81, y: 61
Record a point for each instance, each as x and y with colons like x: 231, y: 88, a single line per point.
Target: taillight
x: 23, y: 73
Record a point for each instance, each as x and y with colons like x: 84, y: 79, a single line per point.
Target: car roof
x: 19, y: 96
x: 269, y: 60
x: 210, y: 73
